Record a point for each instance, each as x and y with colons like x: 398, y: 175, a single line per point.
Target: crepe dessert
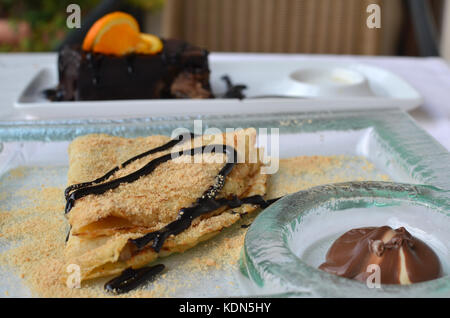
x: 117, y: 61
x: 130, y: 201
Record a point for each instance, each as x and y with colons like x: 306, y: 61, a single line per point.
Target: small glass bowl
x: 286, y: 243
x: 331, y: 80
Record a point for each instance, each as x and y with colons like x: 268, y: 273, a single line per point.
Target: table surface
x: 429, y: 76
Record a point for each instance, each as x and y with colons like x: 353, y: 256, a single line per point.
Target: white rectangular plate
x: 263, y: 74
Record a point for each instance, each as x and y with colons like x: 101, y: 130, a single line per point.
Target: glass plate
x: 389, y: 139
x: 289, y: 240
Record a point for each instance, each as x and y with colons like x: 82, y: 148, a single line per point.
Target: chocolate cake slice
x: 179, y: 71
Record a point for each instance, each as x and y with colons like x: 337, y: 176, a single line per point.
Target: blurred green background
x: 409, y: 27
x: 40, y: 25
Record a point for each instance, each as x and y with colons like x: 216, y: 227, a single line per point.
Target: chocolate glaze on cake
x: 179, y: 71
x: 402, y: 258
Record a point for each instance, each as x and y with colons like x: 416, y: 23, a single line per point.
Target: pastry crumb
x: 33, y: 226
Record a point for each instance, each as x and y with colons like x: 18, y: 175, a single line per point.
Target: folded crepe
x: 103, y: 225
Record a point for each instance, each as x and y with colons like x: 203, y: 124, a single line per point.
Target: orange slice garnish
x: 149, y: 44
x: 115, y: 33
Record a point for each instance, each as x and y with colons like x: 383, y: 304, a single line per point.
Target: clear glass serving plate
x: 288, y: 241
x: 389, y: 139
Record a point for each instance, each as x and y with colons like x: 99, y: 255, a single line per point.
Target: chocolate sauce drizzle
x: 233, y: 91
x: 173, y: 57
x: 73, y: 192
x: 94, y: 63
x: 132, y: 278
x: 130, y: 58
x: 149, y: 167
x: 68, y: 234
x: 187, y: 215
x: 205, y: 204
x: 53, y: 94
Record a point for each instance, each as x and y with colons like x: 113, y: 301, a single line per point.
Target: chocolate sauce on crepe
x: 205, y: 204
x: 132, y: 278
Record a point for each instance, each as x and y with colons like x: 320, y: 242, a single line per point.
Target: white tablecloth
x: 429, y: 76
